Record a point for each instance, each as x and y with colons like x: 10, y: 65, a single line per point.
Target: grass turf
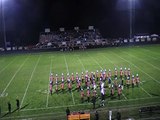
x: 26, y: 77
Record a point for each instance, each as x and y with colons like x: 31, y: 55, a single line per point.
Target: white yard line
x: 143, y: 61
x: 68, y: 72
x: 133, y: 99
x: 138, y: 68
x: 14, y: 75
x: 150, y: 51
x: 145, y: 54
x: 48, y: 83
x: 45, y: 114
x: 95, y: 61
x: 30, y: 117
x: 8, y: 65
x: 81, y: 63
x: 145, y: 91
x: 57, y: 107
x: 29, y: 82
x: 114, y: 101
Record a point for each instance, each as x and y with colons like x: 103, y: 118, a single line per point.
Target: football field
x: 26, y: 77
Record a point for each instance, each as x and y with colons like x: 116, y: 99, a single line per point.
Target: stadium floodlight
x: 3, y: 22
x: 131, y: 16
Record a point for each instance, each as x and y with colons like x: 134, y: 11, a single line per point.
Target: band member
x: 94, y: 93
x: 86, y: 79
x: 115, y: 83
x: 82, y: 95
x: 121, y: 73
x: 88, y: 94
x: 125, y: 73
x: 133, y: 81
x: 109, y: 82
x: 109, y: 73
x: 69, y: 83
x: 50, y: 88
x: 129, y: 73
x: 91, y: 77
x: 56, y: 78
x: 51, y: 82
x: 104, y: 75
x: 94, y: 84
x: 82, y: 77
x: 72, y: 78
x: 112, y: 92
x: 101, y: 74
x: 100, y: 82
x: 62, y: 82
x: 115, y: 73
x: 97, y: 75
x: 51, y: 79
x: 88, y: 83
x: 62, y: 78
x: 56, y: 89
x: 119, y: 92
x: 79, y: 84
x: 77, y: 78
x: 128, y: 82
x: 137, y: 80
x: 102, y: 95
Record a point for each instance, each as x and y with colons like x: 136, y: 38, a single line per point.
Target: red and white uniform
x: 119, y: 91
x: 62, y: 85
x: 51, y: 79
x: 88, y: 83
x: 115, y: 73
x: 112, y: 91
x: 109, y: 73
x: 62, y: 82
x: 62, y: 78
x: 72, y: 77
x: 56, y: 86
x: 69, y: 85
x: 121, y: 73
x: 104, y: 75
x: 50, y: 88
x: 94, y: 93
x: 82, y: 94
x: 88, y: 93
x: 77, y: 78
x: 128, y: 81
x: 129, y: 72
x: 137, y: 79
x: 86, y: 79
x: 133, y: 80
x: 125, y: 72
x: 82, y: 76
x: 97, y: 76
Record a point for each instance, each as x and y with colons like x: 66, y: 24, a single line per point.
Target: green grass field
x: 26, y: 77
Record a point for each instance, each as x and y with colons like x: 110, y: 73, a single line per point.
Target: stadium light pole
x: 131, y: 16
x: 3, y: 24
x: 130, y: 19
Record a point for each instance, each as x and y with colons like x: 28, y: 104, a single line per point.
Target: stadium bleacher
x: 88, y: 38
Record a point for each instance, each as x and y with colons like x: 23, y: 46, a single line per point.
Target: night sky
x: 25, y: 19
